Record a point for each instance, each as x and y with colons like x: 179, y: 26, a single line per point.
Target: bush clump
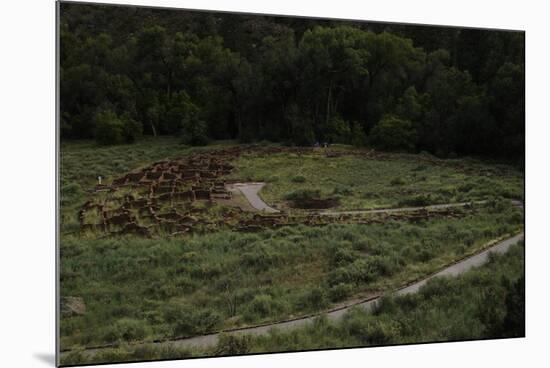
x: 193, y: 130
x: 417, y: 201
x: 397, y: 181
x: 298, y: 179
x: 342, y: 191
x: 337, y: 130
x: 393, y: 133
x: 358, y: 136
x: 372, y: 330
x: 126, y: 330
x: 342, y: 257
x: 365, y: 270
x: 187, y: 320
x: 233, y: 345
x: 264, y: 305
x: 258, y: 258
x: 114, y: 129
x: 314, y: 299
x: 70, y: 192
x: 340, y: 292
x: 303, y: 195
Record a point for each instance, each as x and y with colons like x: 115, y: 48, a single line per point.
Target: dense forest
x: 131, y: 71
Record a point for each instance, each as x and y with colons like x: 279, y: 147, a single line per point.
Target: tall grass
x: 487, y: 302
x: 201, y: 283
x: 138, y: 289
x: 360, y: 183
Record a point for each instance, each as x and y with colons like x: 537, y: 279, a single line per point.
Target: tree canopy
x: 127, y: 71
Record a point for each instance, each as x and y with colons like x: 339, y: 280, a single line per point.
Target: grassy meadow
x: 348, y: 131
x: 145, y: 289
x: 397, y: 180
x: 486, y: 302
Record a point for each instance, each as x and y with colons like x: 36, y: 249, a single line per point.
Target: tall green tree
x: 290, y: 80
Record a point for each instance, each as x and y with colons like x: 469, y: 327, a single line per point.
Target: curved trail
x: 336, y: 314
x: 401, y: 209
x: 412, y: 209
x: 250, y: 191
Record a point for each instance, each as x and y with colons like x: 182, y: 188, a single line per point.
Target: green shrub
x: 71, y: 189
x: 70, y: 192
x: 417, y: 201
x: 197, y: 322
x: 370, y: 329
x: 339, y: 190
x: 155, y: 352
x: 109, y: 128
x: 298, y: 179
x: 340, y: 292
x: 314, y: 299
x: 420, y: 168
x: 424, y: 255
x: 258, y: 258
x: 181, y: 116
x: 337, y: 130
x: 272, y: 179
x: 341, y: 257
x: 397, y: 181
x: 205, y: 271
x: 194, y: 131
x: 514, y: 218
x: 127, y: 329
x: 384, y: 265
x: 132, y: 128
x: 233, y: 345
x: 381, y: 332
x: 358, y: 136
x: 303, y: 194
x: 114, y: 129
x: 393, y: 133
x: 74, y: 357
x: 364, y: 270
x: 466, y: 187
x: 262, y: 305
x: 187, y: 320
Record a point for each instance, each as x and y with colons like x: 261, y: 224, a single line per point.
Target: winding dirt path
x: 336, y: 314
